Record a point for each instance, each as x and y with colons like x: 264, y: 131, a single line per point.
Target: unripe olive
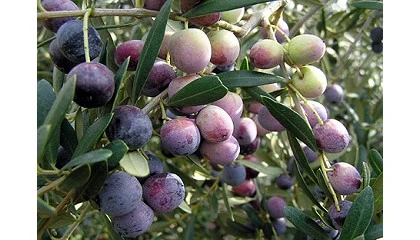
x: 224, y: 47
x: 190, y: 50
x: 266, y: 53
x: 306, y: 49
x: 312, y: 83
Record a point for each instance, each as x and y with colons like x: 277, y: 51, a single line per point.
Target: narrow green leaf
x: 184, y: 176
x: 119, y: 149
x: 323, y: 184
x: 79, y: 125
x: 76, y: 179
x: 374, y: 5
x: 42, y: 139
x: 104, y: 53
x: 150, y: 50
x: 226, y: 201
x: 300, y: 156
x: 214, y: 204
x: 118, y: 78
x: 88, y: 158
x: 212, y: 6
x: 58, y: 79
x: 189, y: 231
x: 302, y: 184
x: 304, y: 223
x: 253, y: 215
x: 92, y: 135
x: 359, y: 216
x: 68, y: 137
x: 365, y: 175
x: 268, y: 170
x: 377, y: 187
x: 135, y: 164
x: 45, y: 210
x: 196, y: 160
x: 245, y: 64
x: 54, y: 118
x: 292, y: 121
x: 324, y: 218
x: 61, y: 104
x: 51, y: 151
x: 239, y: 230
x: 244, y: 78
x: 62, y: 220
x: 256, y: 93
x: 99, y: 173
x: 159, y: 226
x: 374, y: 231
x: 110, y: 229
x: 45, y: 99
x: 201, y: 91
x: 375, y: 160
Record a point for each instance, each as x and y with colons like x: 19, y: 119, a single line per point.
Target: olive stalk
x: 289, y: 85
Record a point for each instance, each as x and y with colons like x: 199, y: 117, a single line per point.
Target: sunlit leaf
x: 135, y: 164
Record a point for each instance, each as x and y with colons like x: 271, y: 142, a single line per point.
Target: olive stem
x: 282, y: 32
x: 298, y: 108
x: 163, y: 111
x: 320, y: 121
x: 75, y: 224
x: 86, y: 34
x: 266, y: 24
x: 39, y: 6
x: 256, y: 18
x: 50, y: 186
x: 324, y: 168
x: 155, y: 101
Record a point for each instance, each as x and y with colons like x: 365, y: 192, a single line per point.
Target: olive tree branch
x: 241, y: 32
x: 303, y: 19
x: 102, y: 12
x: 346, y: 56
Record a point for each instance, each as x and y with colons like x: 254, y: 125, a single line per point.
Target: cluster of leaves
x: 66, y: 196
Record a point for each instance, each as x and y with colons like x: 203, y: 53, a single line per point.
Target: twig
x: 303, y: 19
x: 345, y: 58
